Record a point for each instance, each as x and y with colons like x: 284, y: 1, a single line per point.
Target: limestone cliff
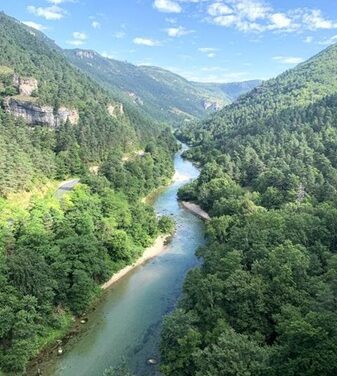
x: 34, y: 114
x: 213, y: 106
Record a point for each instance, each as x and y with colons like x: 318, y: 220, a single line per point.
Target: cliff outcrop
x: 34, y: 114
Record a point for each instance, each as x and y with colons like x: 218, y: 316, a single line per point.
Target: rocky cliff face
x: 213, y: 106
x: 40, y: 115
x: 85, y: 54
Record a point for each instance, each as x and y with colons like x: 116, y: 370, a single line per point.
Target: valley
x: 126, y: 323
x: 152, y: 224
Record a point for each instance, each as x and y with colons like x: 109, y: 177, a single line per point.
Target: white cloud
x: 308, y: 39
x: 35, y: 25
x: 107, y: 55
x: 146, y: 42
x: 58, y: 2
x: 259, y: 16
x: 171, y: 20
x: 251, y: 9
x: 75, y: 42
x: 167, y: 6
x: 315, y: 20
x: 218, y: 9
x: 178, y: 31
x: 292, y: 60
x: 95, y: 24
x: 209, y: 51
x: 280, y: 20
x: 331, y: 40
x: 79, y: 38
x: 53, y: 12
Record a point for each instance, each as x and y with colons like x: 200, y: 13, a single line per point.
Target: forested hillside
x: 103, y: 126
x: 156, y: 92
x: 264, y: 301
x: 55, y: 122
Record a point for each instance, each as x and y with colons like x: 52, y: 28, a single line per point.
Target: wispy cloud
x: 58, y: 2
x: 209, y: 51
x: 328, y: 41
x: 167, y: 6
x: 146, y: 42
x: 119, y: 34
x: 35, y: 25
x: 291, y: 60
x: 178, y: 31
x: 308, y: 39
x: 107, y: 55
x: 79, y: 38
x: 53, y: 12
x: 258, y: 16
x: 95, y: 24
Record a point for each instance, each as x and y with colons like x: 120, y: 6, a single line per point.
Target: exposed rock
x: 27, y: 86
x: 94, y: 170
x: 34, y: 114
x: 115, y: 109
x: 214, y: 106
x: 85, y: 54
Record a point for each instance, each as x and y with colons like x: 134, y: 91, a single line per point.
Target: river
x: 126, y: 322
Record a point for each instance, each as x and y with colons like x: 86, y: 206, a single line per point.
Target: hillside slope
x: 38, y: 86
x: 55, y: 122
x: 157, y: 92
x: 267, y: 286
x: 295, y: 89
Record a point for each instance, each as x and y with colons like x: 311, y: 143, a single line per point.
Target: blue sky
x: 205, y: 40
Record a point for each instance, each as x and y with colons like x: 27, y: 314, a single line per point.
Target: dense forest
x: 264, y: 300
x: 55, y: 253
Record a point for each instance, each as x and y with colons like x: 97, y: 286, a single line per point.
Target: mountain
x: 267, y: 285
x: 38, y: 85
x: 163, y: 95
x: 294, y: 89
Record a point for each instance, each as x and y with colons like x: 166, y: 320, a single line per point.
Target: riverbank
x: 196, y: 209
x: 76, y: 327
x: 126, y: 321
x: 149, y: 253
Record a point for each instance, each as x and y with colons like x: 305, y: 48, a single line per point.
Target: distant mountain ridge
x: 159, y: 93
x: 297, y: 88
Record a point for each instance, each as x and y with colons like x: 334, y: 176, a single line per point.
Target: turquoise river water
x: 126, y: 322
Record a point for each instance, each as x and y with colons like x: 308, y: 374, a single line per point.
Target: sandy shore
x: 158, y: 247
x: 196, y: 209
